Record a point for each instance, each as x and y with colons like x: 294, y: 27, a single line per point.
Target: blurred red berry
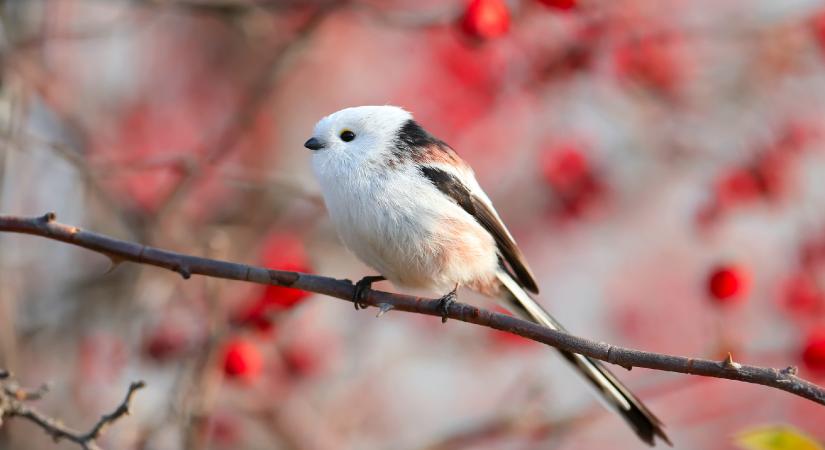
x: 102, y: 357
x: 301, y: 360
x: 283, y: 250
x: 773, y: 170
x: 801, y: 295
x: 568, y: 171
x: 466, y: 79
x: 795, y: 135
x: 242, y: 360
x: 507, y: 340
x: 708, y: 214
x: 559, y: 4
x: 257, y: 314
x: 812, y: 251
x: 765, y: 177
x: 728, y: 284
x: 737, y: 186
x: 818, y: 28
x: 504, y: 339
x: 486, y: 18
x: 280, y: 252
x: 652, y: 61
x: 221, y: 430
x: 813, y: 352
x: 282, y: 298
x: 565, y: 166
x: 164, y: 343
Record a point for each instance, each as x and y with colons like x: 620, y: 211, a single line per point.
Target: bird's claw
x: 445, y: 302
x: 361, y: 288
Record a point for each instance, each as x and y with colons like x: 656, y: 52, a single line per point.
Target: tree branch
x: 12, y: 404
x: 186, y: 265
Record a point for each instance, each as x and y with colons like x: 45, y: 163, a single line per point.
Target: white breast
x: 398, y: 223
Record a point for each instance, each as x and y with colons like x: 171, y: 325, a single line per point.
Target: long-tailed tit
x: 410, y: 208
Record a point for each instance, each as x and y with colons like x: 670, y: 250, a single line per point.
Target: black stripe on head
x: 412, y: 140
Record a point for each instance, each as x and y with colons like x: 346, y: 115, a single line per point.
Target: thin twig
x: 187, y: 265
x: 13, y: 404
x: 20, y: 393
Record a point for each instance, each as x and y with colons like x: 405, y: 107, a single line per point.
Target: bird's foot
x: 445, y: 303
x: 361, y: 288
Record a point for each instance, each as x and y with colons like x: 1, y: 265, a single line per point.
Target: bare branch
x: 12, y: 404
x: 186, y: 265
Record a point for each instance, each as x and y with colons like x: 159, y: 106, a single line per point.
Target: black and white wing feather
x: 484, y: 213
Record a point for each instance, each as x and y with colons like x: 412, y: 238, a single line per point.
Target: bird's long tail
x: 613, y: 393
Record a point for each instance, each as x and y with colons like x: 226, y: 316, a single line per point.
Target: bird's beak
x: 314, y: 144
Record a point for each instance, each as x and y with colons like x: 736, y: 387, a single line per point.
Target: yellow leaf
x: 776, y: 437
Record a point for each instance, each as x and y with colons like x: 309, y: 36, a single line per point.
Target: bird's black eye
x: 347, y: 135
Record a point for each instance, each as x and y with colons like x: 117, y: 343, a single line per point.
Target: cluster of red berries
x: 569, y: 172
x: 241, y: 356
x: 243, y: 360
x: 280, y: 252
x: 764, y: 177
x: 803, y: 298
x: 800, y: 296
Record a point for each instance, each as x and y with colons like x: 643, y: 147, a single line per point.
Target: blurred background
x: 660, y: 162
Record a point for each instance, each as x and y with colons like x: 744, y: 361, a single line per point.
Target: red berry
x: 242, y: 360
x: 565, y: 5
x: 565, y: 166
x: 813, y: 352
x: 486, y: 18
x: 728, y: 284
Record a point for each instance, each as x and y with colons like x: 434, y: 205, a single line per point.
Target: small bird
x: 410, y: 208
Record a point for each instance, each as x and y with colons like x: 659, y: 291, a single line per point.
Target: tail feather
x: 610, y: 390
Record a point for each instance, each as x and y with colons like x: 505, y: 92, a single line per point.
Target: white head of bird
x: 355, y: 136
